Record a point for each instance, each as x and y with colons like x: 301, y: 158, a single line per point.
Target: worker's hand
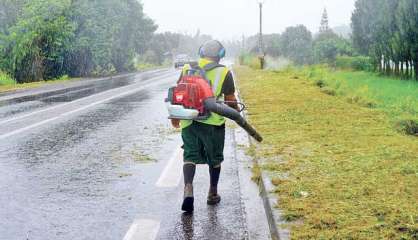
x: 175, y: 123
x: 232, y: 102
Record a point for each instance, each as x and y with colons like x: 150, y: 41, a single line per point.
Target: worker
x: 203, y: 140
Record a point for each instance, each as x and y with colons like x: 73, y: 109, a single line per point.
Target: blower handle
x: 243, y: 107
x: 224, y: 110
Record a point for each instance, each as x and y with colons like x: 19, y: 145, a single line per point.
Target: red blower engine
x: 186, y: 100
x: 193, y: 99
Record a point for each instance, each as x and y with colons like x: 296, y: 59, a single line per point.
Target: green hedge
x: 359, y: 63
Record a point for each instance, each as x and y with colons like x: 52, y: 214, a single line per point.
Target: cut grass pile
x: 344, y: 171
x: 398, y: 98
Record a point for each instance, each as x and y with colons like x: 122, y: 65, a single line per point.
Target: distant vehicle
x: 181, y: 60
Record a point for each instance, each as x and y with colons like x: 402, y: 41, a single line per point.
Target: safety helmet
x: 212, y: 49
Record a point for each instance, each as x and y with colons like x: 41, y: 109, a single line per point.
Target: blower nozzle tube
x: 224, y: 110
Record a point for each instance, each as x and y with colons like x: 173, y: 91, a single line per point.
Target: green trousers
x: 203, y: 143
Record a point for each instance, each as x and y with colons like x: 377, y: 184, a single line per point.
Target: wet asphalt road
x: 82, y: 161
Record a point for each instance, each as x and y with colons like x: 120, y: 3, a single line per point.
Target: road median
x: 340, y: 170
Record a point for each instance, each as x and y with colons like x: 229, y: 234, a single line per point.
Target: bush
x: 249, y: 60
x: 359, y: 63
x: 5, y: 79
x: 408, y: 126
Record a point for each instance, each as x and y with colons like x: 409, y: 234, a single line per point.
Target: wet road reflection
x: 80, y: 177
x: 27, y: 103
x: 187, y: 225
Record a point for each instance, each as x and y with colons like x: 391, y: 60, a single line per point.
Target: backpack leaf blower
x: 193, y: 99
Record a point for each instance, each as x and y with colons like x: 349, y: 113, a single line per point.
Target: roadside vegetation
x: 9, y: 84
x: 399, y: 99
x: 340, y: 121
x: 386, y: 31
x: 46, y: 39
x: 5, y: 79
x: 43, y: 40
x: 341, y: 169
x: 300, y: 46
x: 382, y: 38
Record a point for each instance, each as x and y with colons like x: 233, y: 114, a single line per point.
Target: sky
x: 231, y: 19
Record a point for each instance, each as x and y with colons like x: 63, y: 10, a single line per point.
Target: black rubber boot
x: 213, y: 196
x: 188, y: 202
x: 189, y: 170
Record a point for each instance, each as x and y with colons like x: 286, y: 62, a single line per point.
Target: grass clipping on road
x: 344, y: 172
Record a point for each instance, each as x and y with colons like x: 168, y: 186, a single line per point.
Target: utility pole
x: 260, y: 40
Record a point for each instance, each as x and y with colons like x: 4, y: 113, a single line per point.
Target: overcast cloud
x: 230, y: 19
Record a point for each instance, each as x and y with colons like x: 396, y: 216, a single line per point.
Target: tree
x: 163, y: 46
x: 324, y: 22
x: 296, y: 44
x: 386, y: 30
x: 272, y: 44
x: 327, y: 45
x: 363, y: 23
x: 38, y: 40
x: 109, y: 35
x: 325, y: 51
x: 9, y: 12
x: 407, y: 19
x: 44, y: 39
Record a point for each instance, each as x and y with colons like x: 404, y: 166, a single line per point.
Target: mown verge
x: 344, y: 171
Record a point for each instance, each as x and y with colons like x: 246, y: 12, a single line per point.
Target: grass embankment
x: 9, y: 84
x: 398, y: 98
x: 345, y: 172
x: 6, y: 82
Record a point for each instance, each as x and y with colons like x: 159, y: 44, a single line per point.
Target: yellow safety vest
x: 216, y: 77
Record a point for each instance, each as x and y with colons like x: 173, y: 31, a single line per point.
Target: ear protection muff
x: 222, y: 53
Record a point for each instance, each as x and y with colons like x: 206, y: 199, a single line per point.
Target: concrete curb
x: 252, y: 203
x: 269, y: 201
x: 268, y: 206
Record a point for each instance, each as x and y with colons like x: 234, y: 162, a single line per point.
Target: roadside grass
x: 6, y: 81
x: 345, y: 172
x: 398, y: 98
x: 9, y: 84
x: 143, y: 65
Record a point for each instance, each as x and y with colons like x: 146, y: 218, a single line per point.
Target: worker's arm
x: 228, y: 89
x: 175, y: 123
x: 231, y: 101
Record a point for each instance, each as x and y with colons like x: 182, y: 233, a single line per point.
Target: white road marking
x: 143, y: 229
x: 65, y: 104
x: 172, y: 173
x: 74, y: 111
